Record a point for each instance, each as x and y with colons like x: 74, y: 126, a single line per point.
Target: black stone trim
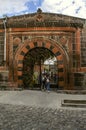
x: 60, y: 62
x: 35, y: 44
x: 60, y: 69
x: 61, y: 87
x: 43, y: 44
x: 61, y: 78
x: 51, y: 47
x: 20, y: 61
x: 19, y: 77
x: 57, y: 53
x: 22, y: 53
x: 20, y: 68
x: 28, y: 47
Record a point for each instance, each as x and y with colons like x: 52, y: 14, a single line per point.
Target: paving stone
x: 19, y: 117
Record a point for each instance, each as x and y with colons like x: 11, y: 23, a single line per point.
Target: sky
x: 75, y: 8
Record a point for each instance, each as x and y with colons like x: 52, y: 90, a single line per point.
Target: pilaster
x: 78, y: 48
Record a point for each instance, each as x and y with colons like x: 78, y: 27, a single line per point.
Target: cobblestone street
x: 37, y: 110
x: 21, y: 117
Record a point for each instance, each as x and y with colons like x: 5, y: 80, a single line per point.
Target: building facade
x: 64, y: 36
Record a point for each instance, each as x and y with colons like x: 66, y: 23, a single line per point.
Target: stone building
x: 64, y: 36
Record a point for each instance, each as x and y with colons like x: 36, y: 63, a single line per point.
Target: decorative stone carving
x: 16, y: 41
x: 64, y: 40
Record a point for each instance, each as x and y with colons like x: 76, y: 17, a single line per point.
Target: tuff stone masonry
x: 64, y: 36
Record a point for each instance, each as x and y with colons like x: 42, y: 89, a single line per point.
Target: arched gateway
x: 54, y: 47
x: 63, y: 35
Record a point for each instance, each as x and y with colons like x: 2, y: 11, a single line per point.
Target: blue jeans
x: 48, y: 86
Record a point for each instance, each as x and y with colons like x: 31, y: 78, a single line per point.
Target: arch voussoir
x: 53, y: 47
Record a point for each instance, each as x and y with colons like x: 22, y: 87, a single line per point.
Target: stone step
x: 6, y: 83
x: 72, y: 91
x: 9, y: 86
x: 73, y: 103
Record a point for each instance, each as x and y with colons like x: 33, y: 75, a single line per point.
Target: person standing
x: 43, y: 82
x: 48, y: 83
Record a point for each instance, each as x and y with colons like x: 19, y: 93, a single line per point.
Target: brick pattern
x: 51, y: 47
x: 69, y: 32
x: 83, y: 48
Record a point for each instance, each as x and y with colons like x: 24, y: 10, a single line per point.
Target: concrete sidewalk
x: 38, y: 98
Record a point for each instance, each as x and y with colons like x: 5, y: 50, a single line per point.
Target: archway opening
x: 39, y: 61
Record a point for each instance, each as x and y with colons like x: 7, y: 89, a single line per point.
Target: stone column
x: 78, y: 49
x: 11, y: 67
